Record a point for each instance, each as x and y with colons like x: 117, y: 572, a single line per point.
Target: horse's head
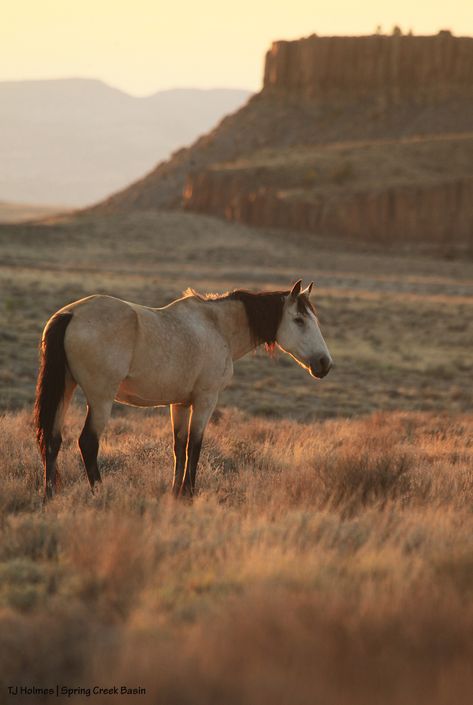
x: 299, y: 333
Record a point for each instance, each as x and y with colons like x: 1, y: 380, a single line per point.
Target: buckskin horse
x: 179, y: 355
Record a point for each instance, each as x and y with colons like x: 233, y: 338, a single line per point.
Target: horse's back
x: 142, y: 355
x: 178, y: 350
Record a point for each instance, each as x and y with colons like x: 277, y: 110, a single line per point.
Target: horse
x: 180, y: 355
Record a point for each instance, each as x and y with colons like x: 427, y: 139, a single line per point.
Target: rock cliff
x: 322, y: 91
x: 390, y: 69
x: 406, y: 190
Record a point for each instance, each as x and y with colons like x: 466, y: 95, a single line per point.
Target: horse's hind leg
x: 51, y: 474
x: 98, y: 413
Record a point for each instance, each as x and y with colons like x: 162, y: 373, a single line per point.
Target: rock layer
x: 388, y: 68
x: 410, y: 189
x: 322, y: 90
x: 437, y: 213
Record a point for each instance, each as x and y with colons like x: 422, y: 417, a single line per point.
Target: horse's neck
x: 233, y: 323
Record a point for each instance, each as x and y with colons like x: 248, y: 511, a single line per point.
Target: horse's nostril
x: 325, y: 364
x: 320, y: 366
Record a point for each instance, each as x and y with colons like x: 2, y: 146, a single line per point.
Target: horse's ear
x: 296, y: 289
x: 308, y: 289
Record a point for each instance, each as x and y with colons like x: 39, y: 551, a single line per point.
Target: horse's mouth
x: 318, y: 369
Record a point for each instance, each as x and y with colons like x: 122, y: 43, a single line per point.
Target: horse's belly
x: 150, y: 395
x: 133, y: 400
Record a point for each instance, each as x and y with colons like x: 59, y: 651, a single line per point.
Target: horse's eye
x: 299, y: 321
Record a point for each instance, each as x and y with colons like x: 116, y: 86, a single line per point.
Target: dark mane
x: 263, y: 309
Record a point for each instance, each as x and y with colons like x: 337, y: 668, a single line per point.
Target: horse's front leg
x: 202, y: 409
x: 180, y: 416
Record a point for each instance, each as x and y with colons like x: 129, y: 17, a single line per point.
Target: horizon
x: 142, y: 47
x: 96, y: 79
x: 188, y: 87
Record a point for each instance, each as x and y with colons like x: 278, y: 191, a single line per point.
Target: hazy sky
x: 146, y: 45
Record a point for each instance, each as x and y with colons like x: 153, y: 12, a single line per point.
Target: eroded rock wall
x: 325, y: 90
x: 388, y: 69
x: 438, y: 213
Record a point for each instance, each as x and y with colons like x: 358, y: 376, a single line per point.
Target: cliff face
x: 441, y: 214
x: 389, y: 69
x: 411, y: 189
x: 345, y: 90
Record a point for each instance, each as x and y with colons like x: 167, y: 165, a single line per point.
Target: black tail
x: 51, y: 380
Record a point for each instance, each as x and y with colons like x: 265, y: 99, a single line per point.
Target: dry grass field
x: 328, y: 556
x: 319, y: 564
x: 398, y: 324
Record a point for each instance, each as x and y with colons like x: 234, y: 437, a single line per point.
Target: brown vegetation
x: 399, y: 327
x: 324, y: 560
x: 320, y: 563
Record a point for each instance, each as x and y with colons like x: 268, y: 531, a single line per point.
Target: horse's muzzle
x: 320, y: 366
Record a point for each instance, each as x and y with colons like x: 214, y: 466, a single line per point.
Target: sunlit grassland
x: 328, y: 555
x: 319, y: 563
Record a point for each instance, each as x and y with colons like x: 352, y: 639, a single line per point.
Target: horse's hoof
x: 48, y: 493
x: 186, y: 495
x: 96, y: 487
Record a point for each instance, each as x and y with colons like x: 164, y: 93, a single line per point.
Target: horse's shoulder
x: 191, y: 314
x: 209, y: 315
x: 212, y: 324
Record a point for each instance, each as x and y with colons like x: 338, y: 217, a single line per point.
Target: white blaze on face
x: 299, y: 335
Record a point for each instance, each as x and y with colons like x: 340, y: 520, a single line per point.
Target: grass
x: 399, y: 327
x: 369, y: 165
x: 328, y: 556
x: 319, y: 563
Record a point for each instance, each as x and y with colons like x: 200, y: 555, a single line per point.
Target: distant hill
x: 75, y: 141
x: 330, y: 143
